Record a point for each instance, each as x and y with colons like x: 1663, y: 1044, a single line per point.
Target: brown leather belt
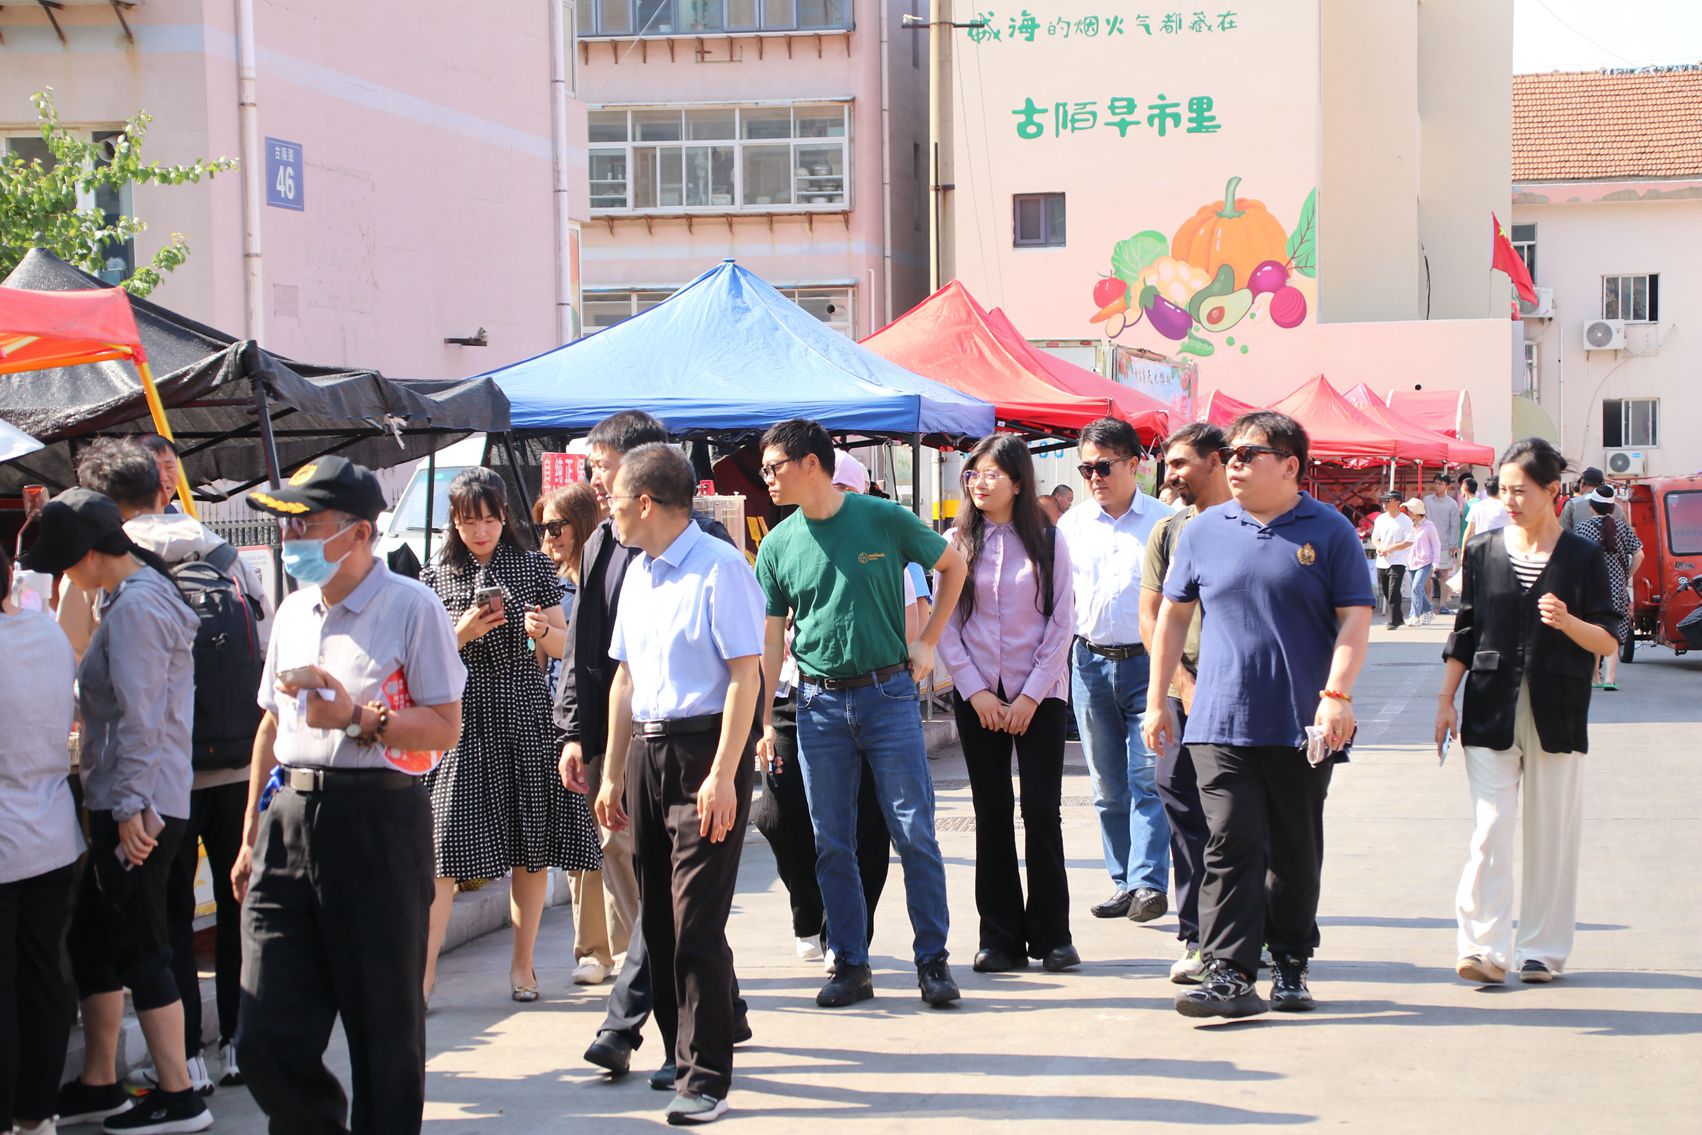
x: 347, y: 780
x: 856, y: 681
x: 1114, y: 653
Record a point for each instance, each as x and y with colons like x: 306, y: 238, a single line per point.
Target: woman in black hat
x: 136, y: 694
x: 1608, y: 527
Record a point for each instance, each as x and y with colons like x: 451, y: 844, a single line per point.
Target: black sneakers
x: 934, y: 979
x: 81, y: 1103
x: 162, y: 1113
x: 848, y: 985
x: 1288, y: 984
x: 1223, y: 992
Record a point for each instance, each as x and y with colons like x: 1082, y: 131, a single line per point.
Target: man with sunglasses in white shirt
x: 1107, y: 538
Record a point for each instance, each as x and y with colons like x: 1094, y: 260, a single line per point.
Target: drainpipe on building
x: 248, y: 129
x: 886, y: 183
x: 942, y: 254
x: 558, y: 163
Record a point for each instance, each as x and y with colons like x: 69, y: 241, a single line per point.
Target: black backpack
x: 228, y: 661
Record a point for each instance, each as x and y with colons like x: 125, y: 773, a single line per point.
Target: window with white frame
x: 1631, y: 423
x: 119, y: 256
x: 1525, y: 383
x: 688, y: 17
x: 720, y: 158
x: 1525, y: 244
x: 1635, y: 299
x: 608, y: 306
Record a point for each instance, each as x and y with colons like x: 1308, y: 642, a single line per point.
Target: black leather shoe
x: 1117, y: 906
x: 662, y: 1080
x: 1147, y: 904
x: 742, y: 1030
x: 997, y: 961
x: 1062, y: 958
x: 848, y: 985
x: 611, y: 1051
x: 934, y: 979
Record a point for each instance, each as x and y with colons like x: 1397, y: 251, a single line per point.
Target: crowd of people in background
x: 610, y: 705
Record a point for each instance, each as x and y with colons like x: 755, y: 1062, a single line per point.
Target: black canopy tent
x: 239, y: 412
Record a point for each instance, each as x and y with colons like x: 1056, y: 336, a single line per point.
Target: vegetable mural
x: 1213, y: 274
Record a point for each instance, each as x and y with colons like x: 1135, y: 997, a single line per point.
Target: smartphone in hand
x: 490, y: 598
x: 1443, y: 746
x: 301, y: 677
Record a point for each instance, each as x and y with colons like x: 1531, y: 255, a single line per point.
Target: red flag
x: 1508, y: 261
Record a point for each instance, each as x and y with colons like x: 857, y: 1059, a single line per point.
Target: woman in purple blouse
x: 1007, y: 647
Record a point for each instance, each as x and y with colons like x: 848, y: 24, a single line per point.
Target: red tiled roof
x: 1605, y: 125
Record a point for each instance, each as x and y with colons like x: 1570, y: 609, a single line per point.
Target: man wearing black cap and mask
x: 362, y: 694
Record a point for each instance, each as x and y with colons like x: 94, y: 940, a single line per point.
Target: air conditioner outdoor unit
x: 1604, y: 335
x: 1542, y: 309
x: 1625, y: 462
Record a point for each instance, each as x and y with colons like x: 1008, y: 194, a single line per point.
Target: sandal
x: 1612, y: 687
x: 526, y: 994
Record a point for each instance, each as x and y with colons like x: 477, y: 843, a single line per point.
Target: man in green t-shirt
x: 836, y: 567
x: 1194, y: 470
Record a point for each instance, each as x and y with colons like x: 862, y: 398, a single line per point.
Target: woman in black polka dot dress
x: 497, y: 801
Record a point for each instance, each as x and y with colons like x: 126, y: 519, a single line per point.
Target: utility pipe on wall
x: 886, y: 183
x: 559, y: 64
x: 248, y: 130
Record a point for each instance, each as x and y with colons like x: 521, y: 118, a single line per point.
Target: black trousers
x: 1389, y: 583
x: 37, y: 1005
x: 1264, y: 807
x: 1179, y: 788
x: 119, y: 938
x: 215, y: 819
x: 1007, y: 924
x: 783, y: 818
x: 335, y: 926
x: 688, y: 883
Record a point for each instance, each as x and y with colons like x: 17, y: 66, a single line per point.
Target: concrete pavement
x: 1398, y: 1043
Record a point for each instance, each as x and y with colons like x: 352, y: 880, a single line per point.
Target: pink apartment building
x: 415, y: 171
x: 789, y: 134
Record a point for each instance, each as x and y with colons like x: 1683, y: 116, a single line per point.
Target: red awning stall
x: 1220, y: 409
x: 1149, y: 416
x: 1456, y: 452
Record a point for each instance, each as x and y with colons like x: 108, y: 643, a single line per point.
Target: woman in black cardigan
x: 1535, y: 609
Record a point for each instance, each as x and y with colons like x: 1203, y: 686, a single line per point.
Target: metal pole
x: 431, y: 498
x: 916, y: 476
x: 274, y: 478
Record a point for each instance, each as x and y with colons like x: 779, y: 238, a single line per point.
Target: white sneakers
x: 809, y: 949
x: 590, y: 972
x: 1189, y: 968
x: 227, y: 1059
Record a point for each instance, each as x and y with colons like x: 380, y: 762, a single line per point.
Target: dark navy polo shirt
x: 1268, y: 596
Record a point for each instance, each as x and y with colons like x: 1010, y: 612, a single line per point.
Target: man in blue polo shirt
x: 1281, y: 579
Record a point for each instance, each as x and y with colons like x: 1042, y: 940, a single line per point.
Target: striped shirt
x: 1527, y: 568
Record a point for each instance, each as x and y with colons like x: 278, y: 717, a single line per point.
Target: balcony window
x: 688, y: 17
x: 723, y: 159
x: 605, y: 308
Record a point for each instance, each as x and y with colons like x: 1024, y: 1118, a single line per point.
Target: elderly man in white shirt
x: 1107, y: 538
x: 1391, y: 539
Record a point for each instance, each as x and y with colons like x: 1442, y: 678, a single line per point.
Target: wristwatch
x: 353, y: 729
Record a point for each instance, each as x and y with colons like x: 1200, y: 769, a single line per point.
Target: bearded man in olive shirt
x: 836, y: 566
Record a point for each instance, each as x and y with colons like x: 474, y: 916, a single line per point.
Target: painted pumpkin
x: 1237, y: 231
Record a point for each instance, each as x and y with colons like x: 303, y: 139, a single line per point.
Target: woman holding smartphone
x: 1535, y: 609
x: 497, y: 804
x: 602, y: 924
x: 1007, y: 646
x: 136, y: 694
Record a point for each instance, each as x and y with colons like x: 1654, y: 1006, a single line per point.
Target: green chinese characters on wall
x: 1231, y: 261
x: 1162, y: 116
x: 988, y: 27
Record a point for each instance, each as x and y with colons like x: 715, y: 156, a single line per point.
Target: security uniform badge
x: 1306, y: 555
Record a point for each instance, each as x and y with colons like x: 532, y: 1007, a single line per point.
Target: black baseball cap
x: 1391, y: 495
x: 324, y: 483
x: 72, y: 524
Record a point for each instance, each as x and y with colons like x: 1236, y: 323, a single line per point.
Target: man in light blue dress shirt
x: 1107, y: 537
x: 682, y: 754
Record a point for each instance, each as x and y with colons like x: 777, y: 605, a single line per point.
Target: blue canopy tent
x: 728, y: 354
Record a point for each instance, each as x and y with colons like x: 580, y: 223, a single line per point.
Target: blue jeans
x: 1421, y: 604
x: 837, y: 731
x: 1110, y: 699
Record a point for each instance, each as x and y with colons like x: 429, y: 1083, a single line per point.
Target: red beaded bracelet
x: 1336, y: 694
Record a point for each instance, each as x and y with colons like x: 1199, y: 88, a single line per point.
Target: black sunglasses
x: 551, y: 528
x: 1101, y: 468
x: 1245, y: 454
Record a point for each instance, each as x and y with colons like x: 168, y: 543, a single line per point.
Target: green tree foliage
x: 51, y: 205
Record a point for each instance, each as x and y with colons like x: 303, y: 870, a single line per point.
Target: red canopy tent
x: 1341, y: 433
x: 1220, y: 409
x: 1445, y: 411
x: 1456, y: 452
x: 947, y: 338
x: 43, y: 330
x: 1149, y: 416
